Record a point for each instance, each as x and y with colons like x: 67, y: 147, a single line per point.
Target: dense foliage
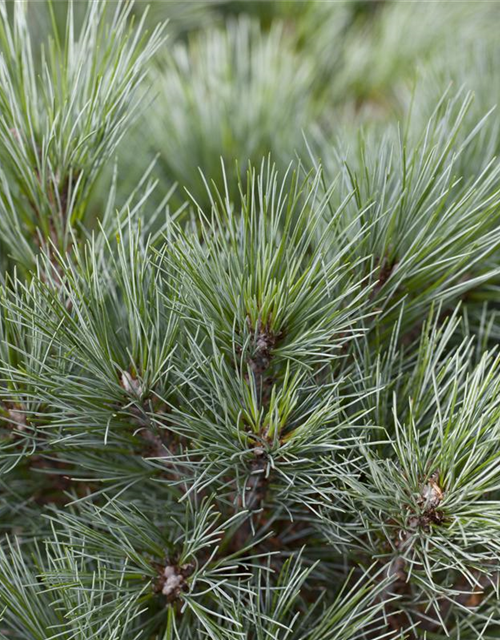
x: 250, y: 274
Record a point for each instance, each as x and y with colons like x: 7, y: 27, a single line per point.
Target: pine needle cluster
x: 249, y: 293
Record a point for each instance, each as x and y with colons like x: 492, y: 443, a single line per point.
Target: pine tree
x: 263, y: 404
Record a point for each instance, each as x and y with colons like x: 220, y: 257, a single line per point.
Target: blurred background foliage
x: 239, y: 80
